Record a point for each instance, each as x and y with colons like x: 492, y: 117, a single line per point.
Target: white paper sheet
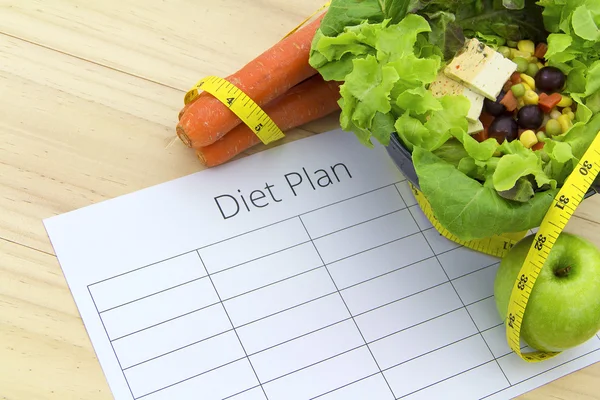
x: 328, y: 282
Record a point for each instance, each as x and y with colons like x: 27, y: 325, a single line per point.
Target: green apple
x: 563, y: 310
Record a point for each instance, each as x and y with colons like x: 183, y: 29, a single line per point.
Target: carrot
x: 305, y: 102
x: 540, y: 50
x: 263, y: 79
x: 184, y: 109
x: 509, y: 101
x: 548, y: 102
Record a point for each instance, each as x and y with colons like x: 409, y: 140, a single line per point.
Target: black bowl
x: 403, y: 160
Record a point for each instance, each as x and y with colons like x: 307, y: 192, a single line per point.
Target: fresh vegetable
x: 305, y: 102
x: 530, y: 69
x: 263, y: 79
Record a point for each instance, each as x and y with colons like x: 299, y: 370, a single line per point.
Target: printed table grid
x: 346, y: 300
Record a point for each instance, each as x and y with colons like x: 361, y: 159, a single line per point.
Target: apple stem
x: 562, y: 272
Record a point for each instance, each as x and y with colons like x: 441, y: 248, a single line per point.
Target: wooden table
x: 89, y: 97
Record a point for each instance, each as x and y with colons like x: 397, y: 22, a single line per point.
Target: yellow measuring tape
x: 496, y: 246
x: 561, y: 210
x: 241, y: 104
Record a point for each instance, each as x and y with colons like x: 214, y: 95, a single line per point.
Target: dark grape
x: 504, y: 128
x: 494, y: 107
x: 550, y: 80
x: 530, y: 117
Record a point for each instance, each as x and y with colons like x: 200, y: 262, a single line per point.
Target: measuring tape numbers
x: 560, y: 212
x: 241, y: 104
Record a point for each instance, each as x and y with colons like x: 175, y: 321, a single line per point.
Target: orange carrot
x: 540, y: 50
x: 305, y: 102
x: 509, y: 101
x: 548, y: 102
x: 263, y: 79
x: 185, y: 108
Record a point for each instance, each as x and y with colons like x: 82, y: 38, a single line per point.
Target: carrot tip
x: 181, y: 113
x: 183, y: 136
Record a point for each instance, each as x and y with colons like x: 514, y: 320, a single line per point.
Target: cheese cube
x: 475, y: 127
x: 481, y: 68
x: 444, y: 85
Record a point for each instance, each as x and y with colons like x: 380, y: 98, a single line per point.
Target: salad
x: 496, y: 100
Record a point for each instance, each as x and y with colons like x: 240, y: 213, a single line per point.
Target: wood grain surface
x: 89, y: 96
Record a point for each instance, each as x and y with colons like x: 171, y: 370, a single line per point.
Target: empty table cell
x: 476, y: 383
x: 171, y: 335
x: 353, y: 211
x: 380, y: 260
x: 439, y: 243
x: 477, y: 285
x: 372, y: 388
x: 438, y: 365
x: 323, y: 377
x: 230, y: 380
x: 293, y: 323
x: 184, y: 364
x: 496, y: 339
x: 461, y: 261
x: 394, y: 286
x: 253, y: 245
x: 408, y: 312
x: 159, y: 308
x: 306, y: 350
x: 280, y: 296
x: 366, y: 236
x: 485, y: 314
x: 146, y: 281
x: 517, y: 371
x: 423, y: 338
x: 266, y: 270
x: 420, y: 217
x: 406, y: 193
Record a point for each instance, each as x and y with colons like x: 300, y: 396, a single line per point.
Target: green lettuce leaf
x: 470, y: 210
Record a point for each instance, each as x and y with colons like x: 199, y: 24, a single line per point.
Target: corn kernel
x: 531, y: 97
x: 518, y: 53
x: 565, y: 123
x: 528, y: 138
x: 520, y: 102
x: 571, y: 115
x: 566, y: 101
x: 554, y: 114
x: 526, y: 46
x: 540, y: 65
x: 526, y: 86
x: 528, y: 80
x: 567, y: 110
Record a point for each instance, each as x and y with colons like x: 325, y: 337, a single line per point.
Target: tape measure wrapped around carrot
x: 269, y: 76
x: 310, y: 100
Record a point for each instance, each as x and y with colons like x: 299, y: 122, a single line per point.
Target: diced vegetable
x: 526, y: 46
x: 518, y: 90
x: 528, y: 80
x: 553, y: 128
x: 522, y: 64
x: 565, y: 123
x: 509, y: 101
x: 528, y: 138
x: 540, y: 50
x: 548, y: 102
x: 531, y: 97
